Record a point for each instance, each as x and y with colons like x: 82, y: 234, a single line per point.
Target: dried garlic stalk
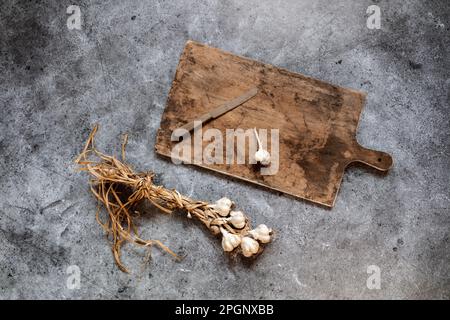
x: 120, y: 189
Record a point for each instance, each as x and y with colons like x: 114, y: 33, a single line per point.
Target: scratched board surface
x: 316, y: 121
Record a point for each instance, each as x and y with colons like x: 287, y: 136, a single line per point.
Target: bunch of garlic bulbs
x: 235, y: 229
x: 116, y: 185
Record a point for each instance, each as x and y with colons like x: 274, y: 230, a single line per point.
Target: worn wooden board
x: 317, y: 121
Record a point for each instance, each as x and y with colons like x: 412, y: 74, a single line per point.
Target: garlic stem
x: 257, y: 139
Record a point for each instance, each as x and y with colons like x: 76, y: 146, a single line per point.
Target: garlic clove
x: 229, y: 240
x: 262, y: 156
x: 261, y: 233
x: 237, y: 219
x: 249, y: 246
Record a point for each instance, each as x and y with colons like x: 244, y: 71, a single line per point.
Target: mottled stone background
x: 56, y: 83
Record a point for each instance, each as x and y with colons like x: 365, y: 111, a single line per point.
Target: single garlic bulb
x: 225, y: 201
x: 237, y: 219
x: 222, y: 206
x: 262, y: 155
x: 229, y: 240
x: 221, y: 209
x: 249, y: 246
x: 261, y: 233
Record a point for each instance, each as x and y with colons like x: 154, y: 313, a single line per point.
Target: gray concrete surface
x: 117, y: 71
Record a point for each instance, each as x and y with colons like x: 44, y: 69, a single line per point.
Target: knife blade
x: 215, y: 113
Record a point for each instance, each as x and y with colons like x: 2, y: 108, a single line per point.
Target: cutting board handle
x: 376, y: 159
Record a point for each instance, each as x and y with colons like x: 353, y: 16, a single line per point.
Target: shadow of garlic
x: 120, y: 189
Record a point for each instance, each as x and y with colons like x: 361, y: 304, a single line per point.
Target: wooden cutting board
x: 317, y: 121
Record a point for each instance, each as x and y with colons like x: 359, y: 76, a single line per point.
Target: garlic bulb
x: 237, y: 219
x: 222, y: 206
x: 262, y: 155
x: 249, y: 246
x: 261, y: 233
x: 225, y: 201
x: 222, y: 210
x: 229, y: 240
